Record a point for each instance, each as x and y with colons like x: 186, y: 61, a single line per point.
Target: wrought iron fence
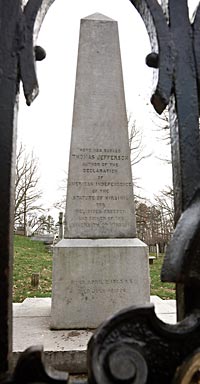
x: 134, y: 346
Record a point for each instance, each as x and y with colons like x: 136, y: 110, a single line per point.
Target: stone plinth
x: 95, y: 278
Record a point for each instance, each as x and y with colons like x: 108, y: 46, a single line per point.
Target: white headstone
x: 99, y: 267
x: 157, y: 250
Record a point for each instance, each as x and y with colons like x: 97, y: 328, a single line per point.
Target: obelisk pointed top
x: 98, y: 16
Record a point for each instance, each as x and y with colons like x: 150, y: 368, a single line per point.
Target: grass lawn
x: 34, y: 257
x: 31, y: 257
x: 164, y: 290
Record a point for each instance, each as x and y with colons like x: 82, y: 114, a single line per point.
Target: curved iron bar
x: 184, y: 75
x: 160, y: 39
x: 27, y: 53
x: 196, y: 42
x: 134, y: 346
x: 15, y: 48
x: 31, y: 368
x: 180, y: 267
x: 184, y: 256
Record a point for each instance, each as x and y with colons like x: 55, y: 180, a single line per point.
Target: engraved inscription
x: 101, y: 195
x: 93, y: 287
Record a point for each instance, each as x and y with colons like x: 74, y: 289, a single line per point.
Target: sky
x: 45, y: 126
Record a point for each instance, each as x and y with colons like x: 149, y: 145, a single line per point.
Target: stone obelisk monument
x: 100, y: 266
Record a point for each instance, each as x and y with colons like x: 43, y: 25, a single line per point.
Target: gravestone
x: 157, y: 250
x: 100, y: 266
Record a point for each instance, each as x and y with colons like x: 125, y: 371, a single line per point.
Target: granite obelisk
x: 100, y: 194
x: 100, y: 266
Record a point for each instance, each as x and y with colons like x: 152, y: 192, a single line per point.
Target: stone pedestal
x: 93, y: 279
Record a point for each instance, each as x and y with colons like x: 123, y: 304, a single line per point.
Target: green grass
x: 34, y: 257
x: 31, y: 257
x: 163, y: 290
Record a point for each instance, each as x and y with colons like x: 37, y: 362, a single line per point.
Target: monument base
x: 93, y: 279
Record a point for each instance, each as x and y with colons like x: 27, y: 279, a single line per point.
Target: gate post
x: 176, y: 54
x: 17, y: 57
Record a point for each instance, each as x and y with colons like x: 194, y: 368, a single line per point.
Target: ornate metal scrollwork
x: 134, y: 346
x: 176, y: 53
x: 189, y: 371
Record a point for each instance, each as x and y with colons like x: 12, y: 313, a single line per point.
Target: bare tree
x: 136, y: 145
x: 43, y: 224
x: 165, y: 200
x: 61, y: 203
x: 154, y: 222
x: 27, y: 193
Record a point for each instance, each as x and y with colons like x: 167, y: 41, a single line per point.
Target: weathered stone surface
x: 65, y: 350
x: 92, y: 279
x: 100, y: 193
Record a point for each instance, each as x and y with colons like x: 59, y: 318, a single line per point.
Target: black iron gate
x: 134, y: 346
